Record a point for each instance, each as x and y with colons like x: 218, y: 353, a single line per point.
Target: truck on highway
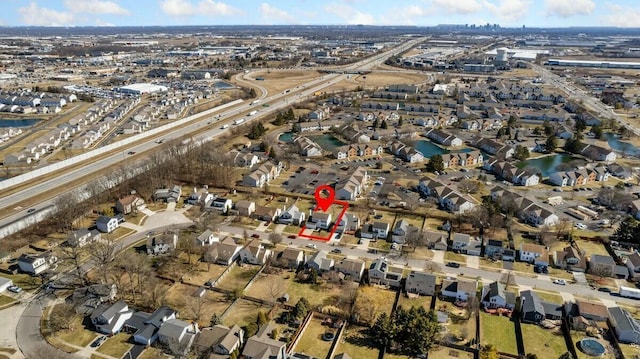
x: 252, y: 113
x: 238, y: 121
x: 225, y: 126
x: 629, y: 292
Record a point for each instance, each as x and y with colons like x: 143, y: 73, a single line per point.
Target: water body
x: 428, y: 149
x: 28, y: 122
x: 286, y: 137
x: 547, y: 164
x: 223, y: 85
x: 327, y: 141
x: 621, y: 146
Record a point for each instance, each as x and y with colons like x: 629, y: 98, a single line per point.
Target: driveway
x: 473, y: 262
x: 10, y: 317
x: 438, y: 257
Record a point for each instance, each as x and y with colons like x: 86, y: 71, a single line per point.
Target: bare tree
x: 508, y: 279
x: 469, y: 186
x: 275, y: 238
x: 61, y: 317
x: 195, y: 306
x: 562, y: 228
x: 188, y: 246
x: 75, y: 253
x: 102, y: 254
x: 276, y: 288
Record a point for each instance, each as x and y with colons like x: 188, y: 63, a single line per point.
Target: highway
x: 203, y: 129
x: 580, y: 96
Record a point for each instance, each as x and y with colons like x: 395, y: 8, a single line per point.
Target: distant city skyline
x: 507, y: 13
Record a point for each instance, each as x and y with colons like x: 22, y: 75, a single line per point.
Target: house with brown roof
x: 633, y: 263
x: 224, y: 252
x: 570, y: 258
x: 292, y: 257
x: 602, y: 265
x: 534, y: 253
x: 352, y: 268
x: 264, y: 213
x: 130, y: 204
x: 219, y: 340
x: 255, y: 253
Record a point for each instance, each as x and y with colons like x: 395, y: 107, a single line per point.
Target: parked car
x: 336, y: 250
x: 560, y: 282
x: 31, y: 210
x: 311, y: 245
x: 131, y: 152
x: 581, y: 226
x: 96, y: 343
x: 453, y: 264
x: 604, y: 289
x: 293, y: 236
x: 14, y: 289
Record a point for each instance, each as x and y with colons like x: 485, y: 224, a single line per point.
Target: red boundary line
x: 345, y: 206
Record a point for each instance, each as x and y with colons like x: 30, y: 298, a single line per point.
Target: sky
x: 507, y: 13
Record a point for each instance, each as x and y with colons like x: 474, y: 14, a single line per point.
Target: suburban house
x: 219, y: 339
x: 201, y: 196
x: 443, y: 138
x: 319, y: 262
x: 627, y: 328
x: 349, y: 223
x: 178, y: 335
x: 145, y: 326
x: 130, y: 204
x: 633, y: 263
x: 245, y: 208
x: 352, y: 268
x: 420, y: 283
x: 82, y: 237
x: 530, y: 211
x: 261, y: 346
x: 495, y: 148
x: 168, y: 195
x: 223, y: 205
x: 375, y: 230
x: 162, y: 243
x: 459, y: 289
x: 352, y: 185
x: 598, y: 153
x: 570, y: 258
x: 534, y: 254
x: 586, y: 310
x: 264, y: 213
x: 292, y: 216
x: 32, y: 264
x: 602, y: 265
x: 319, y: 220
x: 255, y: 253
x: 110, y: 318
x: 531, y: 307
x: 495, y: 296
x: 382, y: 273
x: 224, y: 252
x: 86, y: 299
x: 292, y: 257
x: 106, y: 224
x: 263, y: 174
x: 436, y: 240
x: 207, y: 238
x: 494, y: 248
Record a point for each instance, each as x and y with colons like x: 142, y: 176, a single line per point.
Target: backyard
x: 442, y: 352
x: 545, y: 343
x: 420, y: 301
x: 181, y: 297
x: 461, y: 327
x: 311, y: 342
x: 243, y: 312
x: 499, y: 331
x: 373, y: 301
x: 576, y: 336
x: 356, y: 344
x: 238, y: 277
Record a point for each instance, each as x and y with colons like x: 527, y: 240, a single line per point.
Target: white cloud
x: 276, y: 15
x: 458, y: 6
x: 100, y: 22
x: 95, y: 7
x: 508, y: 10
x: 407, y: 15
x: 40, y: 16
x: 568, y: 8
x: 622, y: 16
x: 350, y: 15
x: 203, y: 7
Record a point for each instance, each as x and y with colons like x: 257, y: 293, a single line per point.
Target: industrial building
x: 596, y: 64
x: 142, y: 88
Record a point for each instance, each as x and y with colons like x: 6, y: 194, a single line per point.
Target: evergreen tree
x: 400, y: 121
x: 383, y: 125
x: 262, y: 319
x: 580, y: 125
x: 551, y: 144
x: 628, y: 231
x: 215, y: 319
x: 435, y: 164
x: 521, y: 153
x: 597, y: 131
x: 375, y: 123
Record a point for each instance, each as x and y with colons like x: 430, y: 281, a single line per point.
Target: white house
x: 107, y: 224
x: 459, y: 289
x: 32, y: 264
x: 109, y: 319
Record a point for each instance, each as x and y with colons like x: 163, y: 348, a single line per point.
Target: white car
x: 14, y: 289
x: 311, y: 245
x: 581, y: 226
x: 560, y: 282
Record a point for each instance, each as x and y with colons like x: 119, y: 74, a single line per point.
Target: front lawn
x: 4, y: 300
x: 116, y: 346
x: 545, y: 343
x: 549, y: 297
x: 454, y: 257
x: 499, y: 331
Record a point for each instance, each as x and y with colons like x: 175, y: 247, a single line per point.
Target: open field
x: 116, y: 346
x: 355, y: 343
x: 238, y: 277
x: 151, y: 353
x: 383, y: 79
x: 421, y: 301
x: 542, y: 342
x: 272, y: 286
x: 243, y: 313
x: 311, y: 342
x: 277, y: 81
x: 499, y: 331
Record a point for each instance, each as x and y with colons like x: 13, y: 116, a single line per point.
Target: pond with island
x: 616, y: 144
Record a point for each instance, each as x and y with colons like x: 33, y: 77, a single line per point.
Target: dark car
x: 292, y: 237
x: 604, y: 289
x: 131, y: 152
x: 31, y: 210
x: 336, y: 250
x: 96, y: 343
x: 255, y: 235
x: 453, y: 264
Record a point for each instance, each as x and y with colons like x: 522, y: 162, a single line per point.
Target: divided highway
x: 203, y: 129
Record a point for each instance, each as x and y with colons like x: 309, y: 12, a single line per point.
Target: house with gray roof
x: 459, y: 289
x: 261, y: 346
x: 602, y: 265
x: 352, y: 268
x: 145, y: 326
x: 531, y: 308
x: 420, y: 283
x: 320, y: 262
x: 495, y: 296
x: 109, y: 319
x: 626, y: 327
x: 178, y: 335
x: 219, y: 339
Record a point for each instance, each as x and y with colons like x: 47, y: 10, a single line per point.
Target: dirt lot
x: 382, y: 79
x: 276, y: 81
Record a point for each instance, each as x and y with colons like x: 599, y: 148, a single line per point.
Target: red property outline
x: 345, y: 206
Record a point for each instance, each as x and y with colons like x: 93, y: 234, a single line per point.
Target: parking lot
x: 305, y: 180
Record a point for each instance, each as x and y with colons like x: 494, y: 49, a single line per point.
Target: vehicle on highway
x: 311, y: 245
x: 31, y: 210
x: 581, y: 226
x: 560, y: 282
x: 224, y: 126
x: 453, y: 264
x: 160, y: 141
x: 131, y: 152
x: 14, y: 289
x: 98, y: 342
